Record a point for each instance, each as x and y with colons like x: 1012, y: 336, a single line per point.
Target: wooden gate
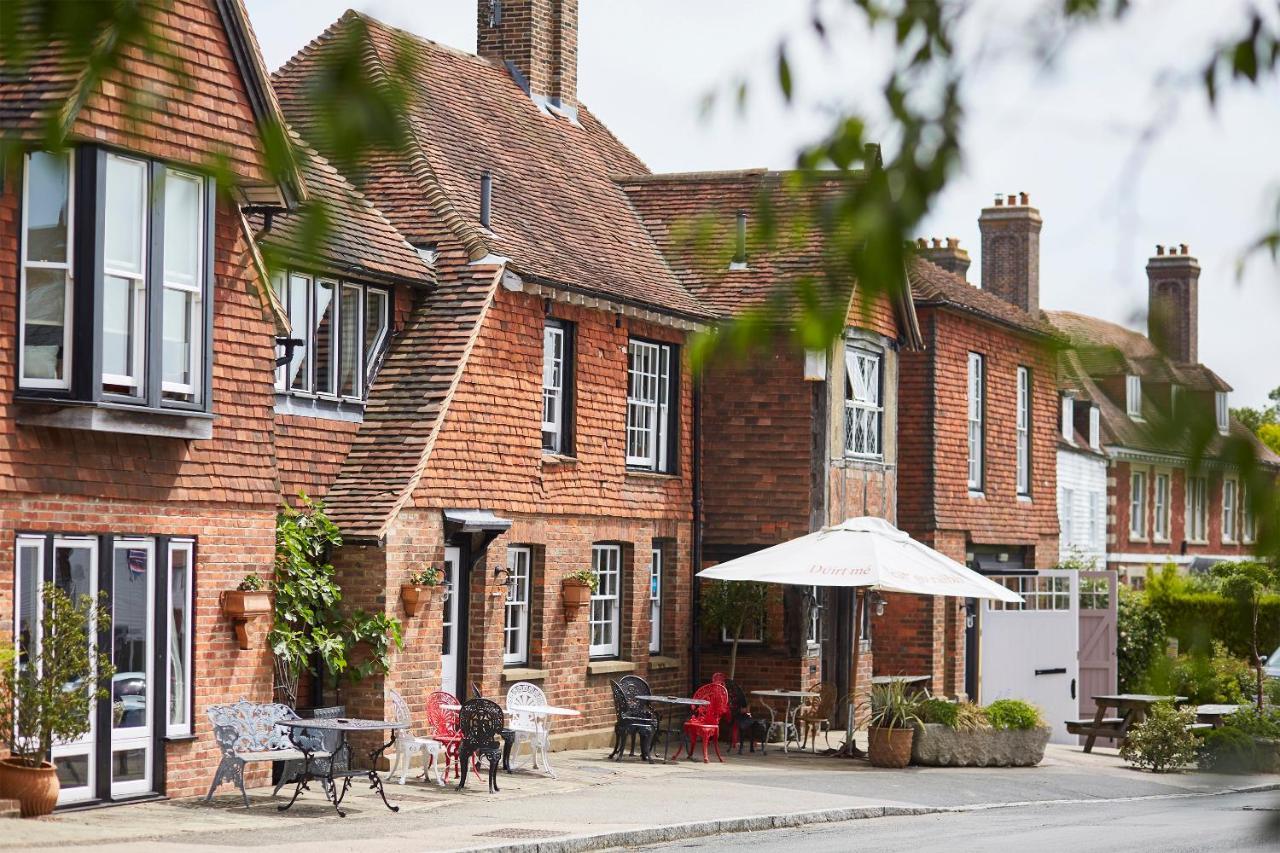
x: 1098, y: 622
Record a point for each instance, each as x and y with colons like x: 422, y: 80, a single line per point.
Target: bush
x: 1140, y: 638
x: 1161, y: 742
x: 1271, y: 690
x: 1196, y: 617
x: 1256, y: 723
x: 1013, y: 714
x: 1227, y: 750
x: 1212, y: 678
x: 961, y: 716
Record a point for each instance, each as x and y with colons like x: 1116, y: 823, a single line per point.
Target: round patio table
x: 323, y: 770
x: 672, y: 703
x: 536, y: 710
x: 788, y: 723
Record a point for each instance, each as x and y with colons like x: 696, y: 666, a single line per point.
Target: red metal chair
x: 704, y: 725
x: 443, y: 727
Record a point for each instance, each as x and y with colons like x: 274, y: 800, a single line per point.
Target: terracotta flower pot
x: 35, y: 788
x: 575, y: 594
x: 242, y: 605
x: 414, y: 596
x: 890, y: 747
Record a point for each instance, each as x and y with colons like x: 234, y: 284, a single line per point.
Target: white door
x: 1030, y: 650
x: 449, y: 644
x: 133, y: 568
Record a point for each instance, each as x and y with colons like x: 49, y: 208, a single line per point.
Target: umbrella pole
x: 850, y: 750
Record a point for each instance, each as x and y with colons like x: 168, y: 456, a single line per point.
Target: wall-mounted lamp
x: 508, y: 577
x: 970, y: 613
x: 876, y: 600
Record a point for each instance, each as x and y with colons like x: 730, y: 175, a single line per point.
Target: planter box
x: 575, y: 595
x: 937, y: 745
x: 416, y: 595
x: 242, y: 605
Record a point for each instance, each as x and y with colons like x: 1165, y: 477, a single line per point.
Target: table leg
x: 1098, y: 716
x: 786, y: 728
x: 375, y: 780
x: 301, y: 782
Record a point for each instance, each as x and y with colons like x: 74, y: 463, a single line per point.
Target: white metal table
x: 788, y: 722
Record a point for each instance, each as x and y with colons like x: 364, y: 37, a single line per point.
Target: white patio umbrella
x: 861, y: 552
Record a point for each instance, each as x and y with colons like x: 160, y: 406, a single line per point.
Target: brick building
x: 1154, y: 400
x: 136, y: 402
x: 532, y: 414
x: 792, y: 441
x: 977, y: 473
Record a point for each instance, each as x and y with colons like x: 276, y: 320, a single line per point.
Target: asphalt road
x: 1231, y: 822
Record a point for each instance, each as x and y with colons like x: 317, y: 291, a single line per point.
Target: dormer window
x: 1222, y: 411
x: 1133, y: 397
x: 1068, y: 417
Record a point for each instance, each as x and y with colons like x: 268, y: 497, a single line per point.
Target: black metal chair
x: 635, y: 719
x: 481, y: 721
x: 633, y: 686
x: 744, y: 727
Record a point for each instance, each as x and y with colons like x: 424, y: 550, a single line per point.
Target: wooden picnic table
x: 1215, y: 715
x: 1131, y: 709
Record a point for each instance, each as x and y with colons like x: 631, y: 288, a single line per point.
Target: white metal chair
x: 527, y: 727
x: 408, y: 745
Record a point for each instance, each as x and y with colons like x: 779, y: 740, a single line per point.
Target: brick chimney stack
x: 1173, y: 303
x: 1011, y: 251
x: 537, y: 40
x: 947, y: 255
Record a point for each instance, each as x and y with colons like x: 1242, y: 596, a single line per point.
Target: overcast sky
x: 1069, y: 134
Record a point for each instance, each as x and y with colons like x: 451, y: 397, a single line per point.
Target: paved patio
x: 595, y: 797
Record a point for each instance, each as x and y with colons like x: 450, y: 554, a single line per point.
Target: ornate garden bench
x: 248, y: 731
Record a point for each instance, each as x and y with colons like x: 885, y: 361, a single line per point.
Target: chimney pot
x: 999, y: 200
x: 953, y: 243
x: 1186, y: 250
x: 1159, y: 250
x: 922, y: 243
x: 1024, y: 198
x: 1013, y: 200
x: 937, y: 244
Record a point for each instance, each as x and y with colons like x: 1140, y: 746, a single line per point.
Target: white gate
x: 1030, y: 650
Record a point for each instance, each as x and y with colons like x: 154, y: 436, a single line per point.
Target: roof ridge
x: 447, y: 48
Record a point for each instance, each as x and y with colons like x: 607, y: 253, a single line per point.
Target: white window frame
x: 1222, y: 411
x: 313, y: 336
x: 138, y: 283
x: 1022, y: 436
x: 655, y: 600
x: 1066, y: 514
x: 606, y: 601
x: 302, y: 327
x: 1095, y: 427
x: 976, y: 429
x: 863, y: 403
x: 1138, y: 486
x: 362, y: 314
x: 553, y: 381
x: 1133, y: 397
x: 1095, y: 520
x: 1161, y: 501
x: 649, y: 366
x: 1068, y: 418
x: 1230, y: 500
x: 1248, y: 523
x: 370, y: 355
x: 516, y: 607
x: 1197, y: 500
x: 182, y: 729
x: 196, y: 290
x: 68, y: 268
x: 813, y: 624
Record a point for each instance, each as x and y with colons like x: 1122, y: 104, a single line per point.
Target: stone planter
x: 414, y: 596
x: 240, y: 606
x: 937, y: 745
x: 889, y: 747
x: 35, y: 788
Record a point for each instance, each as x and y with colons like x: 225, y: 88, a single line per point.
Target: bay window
x: 650, y: 417
x: 343, y: 327
x: 123, y: 270
x: 863, y: 408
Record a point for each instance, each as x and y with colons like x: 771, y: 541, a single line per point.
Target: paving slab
x: 594, y: 800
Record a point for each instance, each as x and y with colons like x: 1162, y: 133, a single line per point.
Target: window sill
x: 181, y: 738
x: 524, y: 673
x: 1161, y: 540
x: 638, y: 474
x: 115, y: 418
x: 558, y: 459
x: 977, y: 496
x: 1026, y: 499
x: 608, y: 667
x: 311, y: 406
x: 661, y: 662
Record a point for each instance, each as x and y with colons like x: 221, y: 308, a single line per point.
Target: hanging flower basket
x: 575, y: 593
x: 243, y: 604
x: 414, y: 595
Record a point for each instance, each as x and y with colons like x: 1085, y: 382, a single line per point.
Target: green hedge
x: 1197, y: 618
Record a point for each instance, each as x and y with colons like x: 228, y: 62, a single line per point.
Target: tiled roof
x: 360, y: 242
x: 1101, y: 350
x: 409, y: 398
x: 931, y: 284
x: 557, y: 215
x: 693, y: 218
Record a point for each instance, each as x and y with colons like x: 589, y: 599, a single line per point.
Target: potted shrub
x: 576, y: 589
x: 894, y: 714
x: 1007, y: 733
x: 249, y: 599
x: 421, y: 586
x: 47, y: 694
